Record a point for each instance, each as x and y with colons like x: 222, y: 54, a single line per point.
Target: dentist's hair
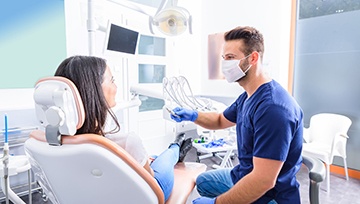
x: 252, y: 38
x: 87, y: 72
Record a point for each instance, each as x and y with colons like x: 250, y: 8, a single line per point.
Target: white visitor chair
x: 326, y: 138
x: 89, y: 168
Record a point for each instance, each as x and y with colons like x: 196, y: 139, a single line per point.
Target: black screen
x: 122, y: 39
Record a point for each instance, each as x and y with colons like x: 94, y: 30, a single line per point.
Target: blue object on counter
x: 215, y: 143
x: 6, y: 129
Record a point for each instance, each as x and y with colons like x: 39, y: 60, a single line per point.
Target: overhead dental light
x: 169, y: 18
x: 172, y: 20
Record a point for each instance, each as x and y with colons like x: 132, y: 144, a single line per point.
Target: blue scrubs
x: 269, y: 125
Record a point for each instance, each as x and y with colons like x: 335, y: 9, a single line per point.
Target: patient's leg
x: 163, y: 167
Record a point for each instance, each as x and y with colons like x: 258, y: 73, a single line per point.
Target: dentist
x: 269, y: 127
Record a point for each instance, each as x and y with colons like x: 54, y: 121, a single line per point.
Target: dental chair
x: 89, y: 168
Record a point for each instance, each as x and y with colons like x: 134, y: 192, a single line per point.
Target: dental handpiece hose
x: 5, y: 160
x: 6, y: 170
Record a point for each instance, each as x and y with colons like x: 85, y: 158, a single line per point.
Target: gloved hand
x: 204, y: 200
x: 184, y: 115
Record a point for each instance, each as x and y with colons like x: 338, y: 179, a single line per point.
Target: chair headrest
x: 58, y: 107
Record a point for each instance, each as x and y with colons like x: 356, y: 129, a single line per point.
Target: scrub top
x: 269, y: 125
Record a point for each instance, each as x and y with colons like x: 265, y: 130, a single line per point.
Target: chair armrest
x: 344, y: 135
x: 316, y: 168
x: 339, y: 144
x: 316, y: 175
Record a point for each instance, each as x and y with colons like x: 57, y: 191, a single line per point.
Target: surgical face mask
x: 232, y: 71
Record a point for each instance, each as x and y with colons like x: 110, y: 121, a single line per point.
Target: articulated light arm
x: 170, y: 20
x: 92, y: 27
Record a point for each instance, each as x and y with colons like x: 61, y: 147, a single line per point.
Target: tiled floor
x: 342, y: 191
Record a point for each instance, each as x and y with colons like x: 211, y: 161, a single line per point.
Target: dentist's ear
x: 254, y: 57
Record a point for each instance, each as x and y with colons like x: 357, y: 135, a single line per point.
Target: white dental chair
x: 89, y: 168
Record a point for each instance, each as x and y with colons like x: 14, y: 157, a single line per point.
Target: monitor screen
x: 121, y: 39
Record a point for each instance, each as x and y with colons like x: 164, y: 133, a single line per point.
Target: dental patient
x: 97, y: 89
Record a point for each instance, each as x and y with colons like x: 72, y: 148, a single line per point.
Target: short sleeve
x: 230, y: 113
x: 273, y: 133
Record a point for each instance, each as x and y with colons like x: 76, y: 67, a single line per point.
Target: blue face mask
x: 232, y: 71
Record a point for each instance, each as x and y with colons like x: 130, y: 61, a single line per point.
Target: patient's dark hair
x: 253, y: 40
x: 87, y: 72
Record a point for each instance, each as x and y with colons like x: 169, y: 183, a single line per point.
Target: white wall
x: 270, y: 17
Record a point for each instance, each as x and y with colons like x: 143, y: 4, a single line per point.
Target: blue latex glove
x: 184, y: 115
x: 204, y: 200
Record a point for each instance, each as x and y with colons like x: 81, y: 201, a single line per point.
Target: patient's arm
x: 148, y: 168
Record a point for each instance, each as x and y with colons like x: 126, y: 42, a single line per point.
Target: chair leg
x: 346, y: 170
x: 328, y: 178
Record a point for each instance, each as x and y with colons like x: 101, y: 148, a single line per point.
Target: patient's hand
x: 148, y: 168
